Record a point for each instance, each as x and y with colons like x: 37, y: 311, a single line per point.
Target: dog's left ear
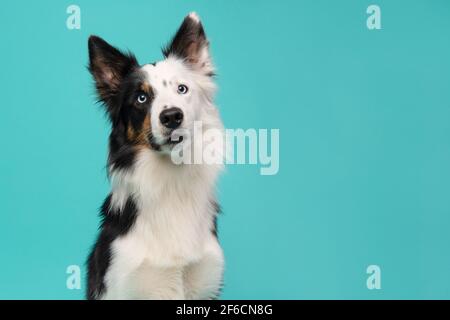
x: 190, y: 44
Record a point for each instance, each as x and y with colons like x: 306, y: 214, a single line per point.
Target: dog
x: 157, y: 238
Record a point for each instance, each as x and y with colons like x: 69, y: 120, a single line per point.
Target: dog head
x: 147, y: 103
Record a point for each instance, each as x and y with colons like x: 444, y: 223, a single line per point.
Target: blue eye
x: 182, y: 89
x: 142, y: 98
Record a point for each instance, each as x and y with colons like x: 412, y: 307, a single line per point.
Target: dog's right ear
x: 109, y: 66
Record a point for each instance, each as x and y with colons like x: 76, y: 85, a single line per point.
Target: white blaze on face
x: 165, y: 77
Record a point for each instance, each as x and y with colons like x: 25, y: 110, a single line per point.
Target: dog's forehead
x: 164, y: 71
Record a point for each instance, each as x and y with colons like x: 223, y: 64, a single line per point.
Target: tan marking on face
x: 146, y: 127
x: 145, y: 86
x: 140, y: 138
x: 130, y: 132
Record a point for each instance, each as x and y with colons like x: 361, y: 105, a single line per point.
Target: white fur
x: 170, y: 252
x: 165, y: 77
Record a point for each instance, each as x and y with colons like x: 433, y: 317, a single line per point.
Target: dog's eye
x: 182, y: 89
x: 142, y: 98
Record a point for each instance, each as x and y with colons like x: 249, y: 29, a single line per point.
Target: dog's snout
x: 171, y: 118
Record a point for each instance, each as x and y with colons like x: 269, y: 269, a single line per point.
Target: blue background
x: 364, y: 119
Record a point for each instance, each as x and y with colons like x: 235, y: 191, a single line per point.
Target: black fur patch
x: 119, y: 81
x: 218, y: 210
x: 114, y: 224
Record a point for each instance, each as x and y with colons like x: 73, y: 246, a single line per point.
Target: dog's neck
x: 154, y: 179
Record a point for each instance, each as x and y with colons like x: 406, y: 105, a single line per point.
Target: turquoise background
x: 364, y: 119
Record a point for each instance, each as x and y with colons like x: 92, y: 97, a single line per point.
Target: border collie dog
x: 157, y: 239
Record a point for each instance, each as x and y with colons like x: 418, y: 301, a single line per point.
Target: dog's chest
x: 174, y: 221
x: 164, y: 240
x: 167, y: 232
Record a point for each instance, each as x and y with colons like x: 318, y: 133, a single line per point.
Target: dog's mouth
x: 166, y: 142
x: 170, y: 140
x: 174, y: 140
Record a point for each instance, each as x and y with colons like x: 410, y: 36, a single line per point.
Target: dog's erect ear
x: 109, y: 66
x: 190, y: 44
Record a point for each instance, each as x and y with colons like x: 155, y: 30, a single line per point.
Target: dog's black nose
x: 171, y: 118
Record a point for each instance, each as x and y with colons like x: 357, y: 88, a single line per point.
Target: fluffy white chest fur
x: 171, y: 251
